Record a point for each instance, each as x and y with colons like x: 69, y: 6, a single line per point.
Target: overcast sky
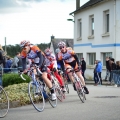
x: 35, y: 20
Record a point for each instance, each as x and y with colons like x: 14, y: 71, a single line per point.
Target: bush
x: 12, y: 78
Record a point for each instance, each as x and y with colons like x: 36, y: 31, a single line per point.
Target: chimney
x: 77, y: 4
x: 52, y: 37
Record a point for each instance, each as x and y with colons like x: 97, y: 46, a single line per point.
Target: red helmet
x: 47, y: 52
x: 24, y: 42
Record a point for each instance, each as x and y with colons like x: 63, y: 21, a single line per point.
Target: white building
x: 97, y: 31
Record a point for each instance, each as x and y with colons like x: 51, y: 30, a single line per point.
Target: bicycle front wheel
x: 80, y: 91
x: 4, y: 103
x: 36, y: 96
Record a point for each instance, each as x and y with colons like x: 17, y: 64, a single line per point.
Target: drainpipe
x: 115, y: 26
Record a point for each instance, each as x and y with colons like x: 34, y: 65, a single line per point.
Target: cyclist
x: 52, y: 65
x: 35, y: 54
x: 70, y: 59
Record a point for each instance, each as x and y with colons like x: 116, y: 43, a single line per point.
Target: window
x: 79, y: 29
x: 92, y: 58
x: 104, y: 55
x: 80, y: 55
x: 91, y: 25
x: 106, y: 21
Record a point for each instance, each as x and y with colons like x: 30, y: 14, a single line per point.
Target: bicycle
x: 4, y: 102
x: 79, y: 86
x: 38, y: 91
x: 65, y: 79
x: 58, y: 90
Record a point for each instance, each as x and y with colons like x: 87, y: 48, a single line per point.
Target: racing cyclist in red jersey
x: 51, y: 63
x: 35, y: 54
x: 70, y: 59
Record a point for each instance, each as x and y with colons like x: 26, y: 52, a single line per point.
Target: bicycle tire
x: 36, y: 96
x: 66, y: 86
x: 53, y: 103
x: 80, y: 91
x: 4, y: 102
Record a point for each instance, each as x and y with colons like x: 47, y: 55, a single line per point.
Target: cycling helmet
x: 57, y: 50
x: 61, y: 44
x: 24, y: 42
x: 47, y: 52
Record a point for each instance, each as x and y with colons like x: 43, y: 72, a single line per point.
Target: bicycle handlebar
x: 21, y: 75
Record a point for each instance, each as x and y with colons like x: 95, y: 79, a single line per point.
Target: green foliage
x: 12, y: 78
x: 13, y: 49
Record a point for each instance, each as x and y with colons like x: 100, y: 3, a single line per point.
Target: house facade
x: 97, y: 32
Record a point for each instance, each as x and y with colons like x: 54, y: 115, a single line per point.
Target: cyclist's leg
x: 48, y: 82
x: 78, y: 73
x: 59, y: 79
x: 68, y: 68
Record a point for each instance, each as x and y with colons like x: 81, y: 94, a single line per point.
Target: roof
x: 88, y: 4
x: 69, y: 42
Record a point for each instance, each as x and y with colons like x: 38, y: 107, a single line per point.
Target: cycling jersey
x: 67, y: 56
x: 51, y: 60
x: 35, y: 54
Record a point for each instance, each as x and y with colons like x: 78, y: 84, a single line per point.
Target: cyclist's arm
x: 40, y: 55
x: 76, y: 58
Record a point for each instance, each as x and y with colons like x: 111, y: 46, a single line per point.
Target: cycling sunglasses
x: 61, y: 47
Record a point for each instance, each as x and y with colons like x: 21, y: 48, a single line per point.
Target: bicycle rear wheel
x: 36, y: 96
x: 66, y: 86
x: 4, y: 103
x: 80, y: 91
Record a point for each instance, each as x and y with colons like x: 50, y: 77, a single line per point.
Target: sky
x: 36, y: 20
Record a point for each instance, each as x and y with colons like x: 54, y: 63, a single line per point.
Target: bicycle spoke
x: 36, y: 97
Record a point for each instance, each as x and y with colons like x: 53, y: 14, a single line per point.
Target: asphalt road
x: 103, y: 103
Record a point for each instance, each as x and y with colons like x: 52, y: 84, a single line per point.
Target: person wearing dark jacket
x: 107, y: 68
x: 83, y: 67
x: 112, y: 67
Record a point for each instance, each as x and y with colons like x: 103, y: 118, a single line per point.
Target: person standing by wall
x: 107, y: 68
x: 99, y: 71
x: 95, y: 73
x: 83, y: 66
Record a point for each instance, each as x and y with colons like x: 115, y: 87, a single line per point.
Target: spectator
x: 83, y: 67
x: 14, y: 65
x: 2, y: 57
x: 112, y: 67
x: 99, y: 71
x: 95, y: 74
x: 117, y: 65
x: 2, y: 63
x: 8, y: 65
x: 107, y: 68
x: 20, y: 68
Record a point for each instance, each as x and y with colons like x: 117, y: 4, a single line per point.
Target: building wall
x: 99, y: 43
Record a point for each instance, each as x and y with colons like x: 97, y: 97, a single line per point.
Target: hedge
x: 14, y: 78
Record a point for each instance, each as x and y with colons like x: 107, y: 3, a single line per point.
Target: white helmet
x: 61, y: 44
x: 24, y: 42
